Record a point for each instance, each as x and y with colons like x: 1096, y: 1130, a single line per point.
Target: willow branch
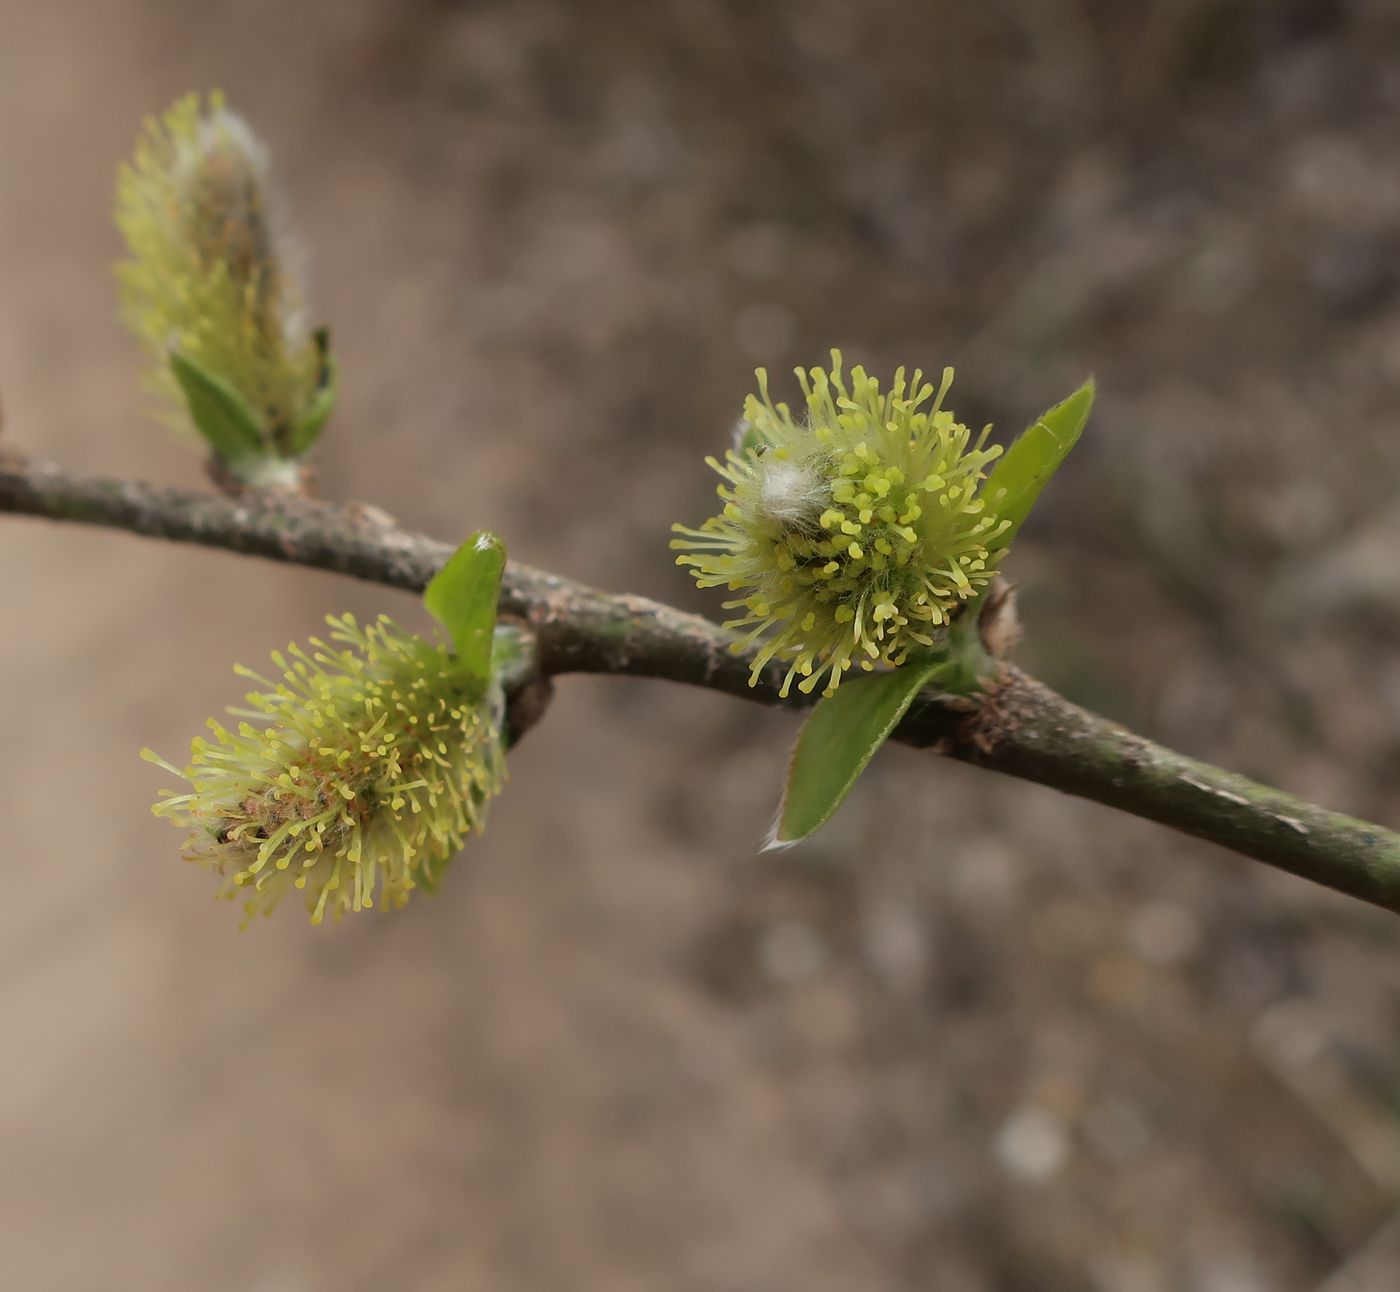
x: 1020, y: 727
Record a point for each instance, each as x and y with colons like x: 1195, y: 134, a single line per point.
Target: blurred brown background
x: 976, y: 1037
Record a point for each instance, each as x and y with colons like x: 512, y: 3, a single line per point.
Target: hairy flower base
x: 357, y: 777
x: 855, y: 535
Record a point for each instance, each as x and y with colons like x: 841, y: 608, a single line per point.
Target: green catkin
x: 355, y: 779
x: 853, y: 534
x: 207, y: 271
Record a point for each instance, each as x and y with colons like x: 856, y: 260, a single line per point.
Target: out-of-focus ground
x: 976, y: 1037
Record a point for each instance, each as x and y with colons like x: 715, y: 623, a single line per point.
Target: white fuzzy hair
x: 790, y: 493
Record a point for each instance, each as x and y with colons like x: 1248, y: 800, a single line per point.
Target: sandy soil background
x: 976, y: 1037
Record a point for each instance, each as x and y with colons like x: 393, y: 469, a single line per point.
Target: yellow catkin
x: 206, y: 271
x: 353, y: 779
x: 853, y: 532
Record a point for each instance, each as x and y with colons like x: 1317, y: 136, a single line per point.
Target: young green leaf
x: 1024, y: 469
x: 462, y: 598
x: 840, y: 739
x: 219, y: 412
x: 308, y: 426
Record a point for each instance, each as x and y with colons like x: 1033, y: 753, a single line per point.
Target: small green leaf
x: 307, y: 428
x: 1024, y: 469
x: 219, y: 412
x: 840, y: 739
x: 462, y: 598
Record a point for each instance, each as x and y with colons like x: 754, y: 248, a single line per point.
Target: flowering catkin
x: 854, y: 534
x: 355, y: 778
x: 208, y: 273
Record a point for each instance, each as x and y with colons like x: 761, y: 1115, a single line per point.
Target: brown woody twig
x: 1021, y: 728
